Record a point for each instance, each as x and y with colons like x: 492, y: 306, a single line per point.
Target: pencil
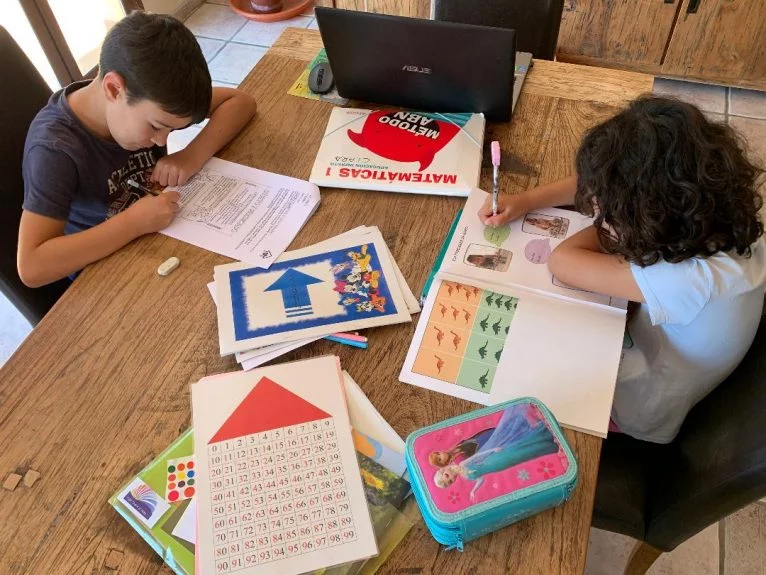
x: 144, y: 189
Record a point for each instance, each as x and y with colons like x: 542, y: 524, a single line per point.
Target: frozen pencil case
x: 486, y: 469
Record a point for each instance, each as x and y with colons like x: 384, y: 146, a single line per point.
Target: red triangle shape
x: 267, y: 406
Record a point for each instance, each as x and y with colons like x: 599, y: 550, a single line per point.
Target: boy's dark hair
x: 160, y: 60
x: 665, y: 182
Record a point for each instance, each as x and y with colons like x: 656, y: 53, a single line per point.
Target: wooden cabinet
x: 718, y: 41
x: 721, y: 41
x: 631, y: 32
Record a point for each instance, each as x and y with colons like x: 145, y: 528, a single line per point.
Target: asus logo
x: 418, y: 69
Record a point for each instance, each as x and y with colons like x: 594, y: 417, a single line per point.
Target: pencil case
x: 486, y: 469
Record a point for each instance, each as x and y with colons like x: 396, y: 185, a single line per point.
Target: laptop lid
x: 420, y: 64
x: 523, y: 64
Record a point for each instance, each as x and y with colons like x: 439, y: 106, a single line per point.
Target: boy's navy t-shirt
x: 71, y: 174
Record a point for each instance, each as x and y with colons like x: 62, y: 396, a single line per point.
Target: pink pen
x: 495, y: 169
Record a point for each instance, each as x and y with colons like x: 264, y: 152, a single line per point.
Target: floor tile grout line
x: 760, y: 119
x: 248, y: 44
x: 218, y: 51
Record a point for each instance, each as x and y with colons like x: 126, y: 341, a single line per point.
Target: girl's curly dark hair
x: 665, y: 182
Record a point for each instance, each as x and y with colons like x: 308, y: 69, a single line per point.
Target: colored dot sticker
x: 189, y: 492
x: 179, y: 478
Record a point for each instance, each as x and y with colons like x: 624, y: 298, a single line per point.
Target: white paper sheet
x: 241, y: 212
x: 566, y: 354
x: 186, y: 528
x: 222, y: 425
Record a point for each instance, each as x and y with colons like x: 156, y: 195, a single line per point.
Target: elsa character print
x: 518, y: 437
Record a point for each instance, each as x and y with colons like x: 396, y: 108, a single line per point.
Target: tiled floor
x: 233, y: 45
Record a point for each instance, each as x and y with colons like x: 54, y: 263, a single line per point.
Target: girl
x: 677, y: 230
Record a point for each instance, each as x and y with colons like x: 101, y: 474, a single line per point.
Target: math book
x: 159, y: 503
x: 400, y: 151
x: 496, y: 325
x: 279, y: 488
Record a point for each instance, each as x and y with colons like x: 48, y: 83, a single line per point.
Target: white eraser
x: 168, y: 266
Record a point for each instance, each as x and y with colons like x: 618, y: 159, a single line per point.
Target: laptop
x: 423, y: 64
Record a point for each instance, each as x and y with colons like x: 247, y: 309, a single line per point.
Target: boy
x: 99, y: 146
x: 677, y: 230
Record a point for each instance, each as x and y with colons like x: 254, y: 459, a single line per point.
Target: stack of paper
x: 345, y: 283
x: 169, y: 524
x: 279, y: 484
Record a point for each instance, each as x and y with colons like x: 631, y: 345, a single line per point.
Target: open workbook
x: 496, y: 325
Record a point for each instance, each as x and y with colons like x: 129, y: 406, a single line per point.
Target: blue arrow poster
x: 347, y: 288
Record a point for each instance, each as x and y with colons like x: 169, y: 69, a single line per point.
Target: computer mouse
x: 320, y: 78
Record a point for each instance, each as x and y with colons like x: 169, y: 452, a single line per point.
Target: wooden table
x: 101, y: 386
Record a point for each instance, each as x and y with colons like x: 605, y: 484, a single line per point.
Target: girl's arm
x: 579, y: 262
x: 510, y: 207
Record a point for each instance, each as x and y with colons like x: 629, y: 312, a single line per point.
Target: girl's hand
x: 176, y: 169
x: 509, y: 207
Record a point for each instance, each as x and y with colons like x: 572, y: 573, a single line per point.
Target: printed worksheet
x: 279, y: 489
x: 241, y: 212
x: 490, y: 346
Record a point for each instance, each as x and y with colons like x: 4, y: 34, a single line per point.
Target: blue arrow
x: 295, y: 294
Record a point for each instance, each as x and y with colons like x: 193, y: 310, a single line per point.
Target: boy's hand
x: 508, y: 209
x: 176, y: 169
x: 154, y: 213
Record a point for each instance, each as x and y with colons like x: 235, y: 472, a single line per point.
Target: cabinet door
x: 628, y: 32
x: 413, y: 8
x: 719, y: 41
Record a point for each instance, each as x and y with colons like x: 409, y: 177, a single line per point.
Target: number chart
x: 277, y: 484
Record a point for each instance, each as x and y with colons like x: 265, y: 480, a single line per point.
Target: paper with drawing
x: 516, y: 254
x: 241, y: 212
x: 491, y: 346
x: 350, y: 285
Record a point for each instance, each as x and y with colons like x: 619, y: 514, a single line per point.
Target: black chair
x: 22, y: 95
x: 662, y: 495
x: 536, y: 21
